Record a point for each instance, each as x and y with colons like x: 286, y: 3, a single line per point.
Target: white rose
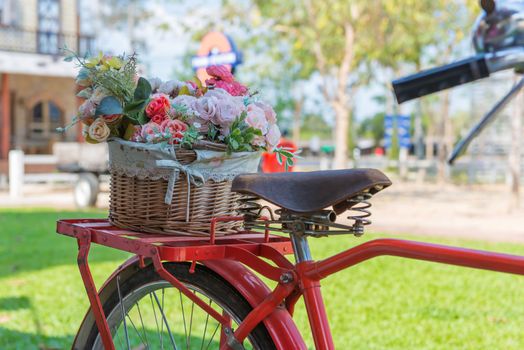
x: 206, y: 107
x: 170, y: 87
x: 155, y: 83
x: 99, y: 131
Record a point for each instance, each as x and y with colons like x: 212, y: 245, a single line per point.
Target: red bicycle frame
x: 249, y: 248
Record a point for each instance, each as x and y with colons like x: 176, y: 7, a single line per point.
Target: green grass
x: 385, y: 303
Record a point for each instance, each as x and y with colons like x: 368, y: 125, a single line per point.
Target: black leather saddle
x: 306, y: 192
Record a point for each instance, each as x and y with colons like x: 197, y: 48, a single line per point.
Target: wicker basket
x: 138, y: 203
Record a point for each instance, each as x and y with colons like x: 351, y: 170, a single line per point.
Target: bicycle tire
x: 204, y: 280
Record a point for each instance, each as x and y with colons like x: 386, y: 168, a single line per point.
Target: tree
x: 324, y: 36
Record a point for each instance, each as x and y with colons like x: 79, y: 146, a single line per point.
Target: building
x: 37, y: 89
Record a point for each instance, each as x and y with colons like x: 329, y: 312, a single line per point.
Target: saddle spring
x: 251, y: 209
x: 359, y: 205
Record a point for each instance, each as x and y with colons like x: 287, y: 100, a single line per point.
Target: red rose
x: 158, y: 118
x: 158, y: 106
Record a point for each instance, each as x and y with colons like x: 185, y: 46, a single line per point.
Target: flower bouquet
x: 174, y: 147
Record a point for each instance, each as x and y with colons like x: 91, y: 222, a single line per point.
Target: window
x: 49, y: 26
x: 7, y: 12
x: 44, y: 117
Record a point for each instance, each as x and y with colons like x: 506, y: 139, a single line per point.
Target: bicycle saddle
x: 306, y: 192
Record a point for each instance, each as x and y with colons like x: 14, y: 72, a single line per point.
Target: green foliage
x: 135, y: 110
x: 191, y: 135
x: 109, y: 105
x: 241, y: 135
x: 286, y: 156
x: 143, y: 90
x: 372, y: 128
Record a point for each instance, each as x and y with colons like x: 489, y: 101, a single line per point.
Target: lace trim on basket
x: 157, y: 174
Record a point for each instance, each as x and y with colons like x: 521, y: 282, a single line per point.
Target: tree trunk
x: 341, y: 135
x: 515, y: 152
x: 444, y: 136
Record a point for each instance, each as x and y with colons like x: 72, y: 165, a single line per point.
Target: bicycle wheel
x: 159, y: 316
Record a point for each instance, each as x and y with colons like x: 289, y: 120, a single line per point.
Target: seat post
x: 301, y: 248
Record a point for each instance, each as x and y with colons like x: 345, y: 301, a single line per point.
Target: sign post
x: 215, y: 49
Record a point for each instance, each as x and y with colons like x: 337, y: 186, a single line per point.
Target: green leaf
x: 143, y: 89
x: 69, y: 58
x: 83, y: 74
x: 109, y: 105
x: 130, y: 130
x: 135, y: 106
x: 234, y: 144
x: 142, y: 118
x: 85, y: 93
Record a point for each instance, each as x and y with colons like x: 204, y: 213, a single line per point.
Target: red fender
x: 279, y: 324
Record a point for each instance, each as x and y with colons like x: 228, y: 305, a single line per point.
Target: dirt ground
x: 474, y: 212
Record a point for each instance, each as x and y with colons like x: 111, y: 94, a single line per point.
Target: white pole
x: 16, y: 173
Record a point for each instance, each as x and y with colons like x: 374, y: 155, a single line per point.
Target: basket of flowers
x: 174, y: 147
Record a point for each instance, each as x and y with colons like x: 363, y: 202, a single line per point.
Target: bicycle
x: 213, y: 276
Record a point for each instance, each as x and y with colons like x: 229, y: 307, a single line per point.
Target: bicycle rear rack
x: 245, y: 246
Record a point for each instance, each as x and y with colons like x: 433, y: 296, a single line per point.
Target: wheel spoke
x: 165, y: 320
x: 136, y: 330
x: 162, y: 324
x: 205, y: 327
x: 123, y: 310
x: 183, y: 315
x: 156, y: 320
x: 142, y: 322
x: 212, y: 336
x: 190, y: 324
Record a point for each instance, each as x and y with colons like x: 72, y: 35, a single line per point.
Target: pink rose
x: 271, y: 116
x: 220, y: 73
x: 228, y: 109
x: 256, y: 118
x: 159, y: 105
x: 273, y: 137
x: 206, y: 107
x: 175, y: 128
x: 137, y: 135
x: 151, y: 132
x: 87, y: 110
x: 234, y: 88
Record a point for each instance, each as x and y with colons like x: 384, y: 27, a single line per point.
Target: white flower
x: 98, y: 130
x: 228, y: 109
x: 218, y: 93
x: 206, y: 107
x: 170, y: 87
x: 155, y: 83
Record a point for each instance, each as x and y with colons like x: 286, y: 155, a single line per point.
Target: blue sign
x: 402, y: 124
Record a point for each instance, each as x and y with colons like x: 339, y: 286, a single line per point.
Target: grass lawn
x: 386, y: 303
